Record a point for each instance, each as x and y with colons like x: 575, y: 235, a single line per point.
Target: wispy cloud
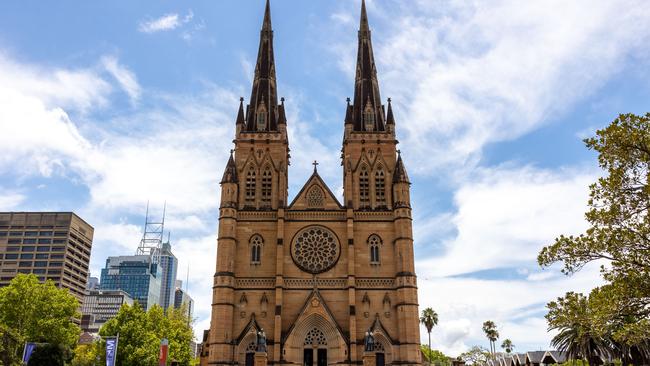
x: 166, y: 22
x: 125, y: 77
x: 10, y: 199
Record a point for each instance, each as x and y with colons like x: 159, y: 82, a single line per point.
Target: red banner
x: 164, y: 351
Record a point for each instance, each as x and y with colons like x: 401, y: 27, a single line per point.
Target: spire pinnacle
x: 364, y: 27
x: 367, y: 111
x: 262, y: 113
x: 240, y: 114
x: 390, y: 119
x: 230, y: 174
x: 266, y: 26
x: 400, y: 176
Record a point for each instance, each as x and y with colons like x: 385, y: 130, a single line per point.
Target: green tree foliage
x: 475, y: 356
x: 507, y: 345
x: 619, y: 235
x: 48, y: 355
x: 85, y: 355
x: 430, y: 319
x: 35, y: 312
x: 140, y: 333
x: 492, y: 334
x: 435, y: 357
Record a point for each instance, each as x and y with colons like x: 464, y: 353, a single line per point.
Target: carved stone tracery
x: 315, y: 249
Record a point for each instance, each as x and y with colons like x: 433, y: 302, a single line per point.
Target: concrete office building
x: 52, y: 245
x: 101, y: 306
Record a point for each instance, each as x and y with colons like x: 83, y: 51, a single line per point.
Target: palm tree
x: 490, y: 330
x: 430, y: 319
x: 507, y: 345
x: 579, y: 342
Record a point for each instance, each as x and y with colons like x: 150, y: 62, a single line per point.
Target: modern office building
x: 137, y: 275
x: 168, y: 267
x: 52, y: 245
x: 101, y: 306
x: 93, y: 284
x: 181, y: 297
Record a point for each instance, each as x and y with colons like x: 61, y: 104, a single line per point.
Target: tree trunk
x: 429, y: 355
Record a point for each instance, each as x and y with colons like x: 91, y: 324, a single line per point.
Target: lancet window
x: 256, y: 249
x: 374, y: 244
x: 364, y: 187
x: 267, y: 185
x: 380, y: 188
x: 251, y: 181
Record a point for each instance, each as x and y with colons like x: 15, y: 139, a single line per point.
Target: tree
x: 476, y: 356
x: 48, y: 355
x: 507, y: 345
x: 491, y: 333
x: 618, y: 235
x: 430, y: 319
x: 141, y: 331
x: 435, y: 357
x: 577, y: 335
x: 35, y: 312
x: 85, y: 355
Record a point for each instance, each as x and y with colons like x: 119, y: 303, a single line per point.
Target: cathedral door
x: 308, y: 357
x: 322, y: 357
x: 380, y: 359
x: 250, y: 359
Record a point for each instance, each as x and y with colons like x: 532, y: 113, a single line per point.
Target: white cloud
x: 466, y: 74
x: 125, y: 77
x: 166, y: 22
x: 505, y: 215
x: 10, y: 199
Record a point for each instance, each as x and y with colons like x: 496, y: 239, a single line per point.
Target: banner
x: 111, y: 351
x: 27, y: 352
x: 164, y: 350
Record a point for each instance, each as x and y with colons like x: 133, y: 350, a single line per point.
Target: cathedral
x: 321, y: 282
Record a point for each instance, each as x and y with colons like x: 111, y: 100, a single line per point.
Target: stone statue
x: 261, y: 341
x: 369, y: 341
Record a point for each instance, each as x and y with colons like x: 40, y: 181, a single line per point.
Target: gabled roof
x: 535, y: 356
x: 315, y: 304
x: 252, y: 324
x: 329, y: 200
x: 554, y: 357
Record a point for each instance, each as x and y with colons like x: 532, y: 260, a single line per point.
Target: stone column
x: 260, y: 359
x: 369, y: 359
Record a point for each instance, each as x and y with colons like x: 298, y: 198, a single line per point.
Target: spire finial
x: 363, y: 26
x: 266, y: 26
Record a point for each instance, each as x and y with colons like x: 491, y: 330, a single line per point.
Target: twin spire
x: 365, y: 114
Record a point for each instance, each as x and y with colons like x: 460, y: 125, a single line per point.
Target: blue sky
x: 104, y: 106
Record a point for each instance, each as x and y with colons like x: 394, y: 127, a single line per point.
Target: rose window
x: 315, y: 249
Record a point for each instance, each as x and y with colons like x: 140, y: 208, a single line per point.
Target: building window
x: 315, y: 197
x: 364, y: 187
x: 369, y: 117
x: 374, y: 243
x: 267, y: 185
x: 380, y: 188
x: 250, y: 186
x: 256, y: 249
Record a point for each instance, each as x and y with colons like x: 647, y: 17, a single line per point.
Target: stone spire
x: 240, y: 115
x: 367, y: 113
x: 400, y: 176
x: 262, y: 112
x: 230, y: 174
x: 390, y: 119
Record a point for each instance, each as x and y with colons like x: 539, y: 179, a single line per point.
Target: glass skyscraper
x: 136, y: 275
x: 169, y: 267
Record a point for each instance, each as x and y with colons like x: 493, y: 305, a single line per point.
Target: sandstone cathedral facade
x: 313, y: 273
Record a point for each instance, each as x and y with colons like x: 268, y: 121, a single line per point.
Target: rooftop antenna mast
x: 152, y: 238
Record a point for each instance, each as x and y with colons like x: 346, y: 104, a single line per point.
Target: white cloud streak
x: 166, y: 22
x: 125, y: 77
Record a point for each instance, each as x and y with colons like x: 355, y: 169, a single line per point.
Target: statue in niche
x: 261, y: 341
x: 369, y: 341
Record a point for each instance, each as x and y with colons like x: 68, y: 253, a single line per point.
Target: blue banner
x: 111, y: 351
x: 27, y: 353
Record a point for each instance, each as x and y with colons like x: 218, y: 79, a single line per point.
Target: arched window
x: 364, y: 187
x: 374, y: 243
x: 250, y: 186
x: 380, y: 188
x: 256, y: 249
x: 315, y: 197
x: 267, y: 186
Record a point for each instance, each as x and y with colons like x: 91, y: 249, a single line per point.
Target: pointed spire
x: 264, y: 83
x: 240, y: 114
x: 230, y: 174
x: 282, y: 116
x: 366, y: 88
x: 266, y: 26
x: 390, y: 119
x: 400, y: 176
x: 348, y: 114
